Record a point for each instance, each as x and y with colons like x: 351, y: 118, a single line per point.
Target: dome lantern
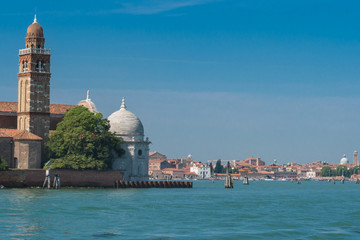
x: 35, y: 35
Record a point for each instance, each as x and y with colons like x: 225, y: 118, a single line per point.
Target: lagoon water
x: 261, y: 210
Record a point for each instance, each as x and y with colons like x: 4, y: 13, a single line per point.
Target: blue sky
x: 225, y: 79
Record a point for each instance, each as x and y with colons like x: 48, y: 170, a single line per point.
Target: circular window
x: 139, y: 152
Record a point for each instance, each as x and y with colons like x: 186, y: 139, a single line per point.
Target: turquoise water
x: 262, y: 210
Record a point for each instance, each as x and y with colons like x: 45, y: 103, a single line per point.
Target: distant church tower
x: 34, y: 84
x: 356, y: 162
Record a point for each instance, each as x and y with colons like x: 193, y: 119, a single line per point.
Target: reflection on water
x: 262, y: 210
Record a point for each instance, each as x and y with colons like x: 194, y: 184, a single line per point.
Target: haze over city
x: 217, y: 79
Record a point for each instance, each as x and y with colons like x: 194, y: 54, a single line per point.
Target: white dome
x: 88, y: 103
x: 344, y: 160
x: 126, y: 124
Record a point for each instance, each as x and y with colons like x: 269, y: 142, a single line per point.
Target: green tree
x: 354, y: 170
x: 3, y: 164
x: 218, y: 167
x: 342, y: 170
x: 82, y: 141
x: 326, y: 171
x: 211, y: 168
x: 228, y: 167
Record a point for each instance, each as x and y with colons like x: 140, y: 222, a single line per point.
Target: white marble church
x: 135, y: 162
x: 127, y: 126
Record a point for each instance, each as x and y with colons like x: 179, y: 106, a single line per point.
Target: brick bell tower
x: 34, y: 84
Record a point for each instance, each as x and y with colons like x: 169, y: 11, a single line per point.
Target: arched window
x: 25, y: 66
x: 39, y: 66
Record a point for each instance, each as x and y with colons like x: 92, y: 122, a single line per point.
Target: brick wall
x: 69, y: 178
x: 8, y: 121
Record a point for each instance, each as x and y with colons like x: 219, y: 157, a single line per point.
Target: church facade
x: 25, y: 125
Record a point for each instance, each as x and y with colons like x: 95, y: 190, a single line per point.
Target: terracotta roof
x: 4, y: 135
x: 156, y: 160
x: 20, y: 134
x: 8, y: 106
x: 60, y: 108
x: 54, y: 108
x: 174, y: 169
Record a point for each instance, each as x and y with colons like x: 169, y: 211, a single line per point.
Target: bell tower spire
x: 34, y: 84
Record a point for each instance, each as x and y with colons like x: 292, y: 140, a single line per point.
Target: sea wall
x: 69, y: 178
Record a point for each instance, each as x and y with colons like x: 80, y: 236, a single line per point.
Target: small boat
x: 268, y: 179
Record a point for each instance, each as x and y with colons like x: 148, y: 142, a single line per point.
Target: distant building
x: 253, y: 162
x: 158, y: 165
x: 311, y: 174
x: 202, y: 170
x: 356, y: 162
x: 344, y: 160
x: 157, y: 156
x: 174, y: 173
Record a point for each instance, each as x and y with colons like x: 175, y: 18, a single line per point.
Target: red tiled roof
x: 174, y: 169
x: 20, y: 134
x: 4, y: 135
x: 8, y: 106
x: 156, y: 160
x: 60, y: 108
x: 54, y: 108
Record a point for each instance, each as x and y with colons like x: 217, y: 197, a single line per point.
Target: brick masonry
x: 69, y: 178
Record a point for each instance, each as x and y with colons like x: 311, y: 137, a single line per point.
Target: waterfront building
x: 135, y: 162
x: 202, y: 170
x: 25, y: 125
x: 311, y: 174
x: 175, y: 173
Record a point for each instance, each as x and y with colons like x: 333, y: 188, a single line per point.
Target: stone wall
x: 28, y: 154
x: 69, y: 178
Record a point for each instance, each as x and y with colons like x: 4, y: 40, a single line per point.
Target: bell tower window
x: 40, y: 66
x: 25, y: 66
